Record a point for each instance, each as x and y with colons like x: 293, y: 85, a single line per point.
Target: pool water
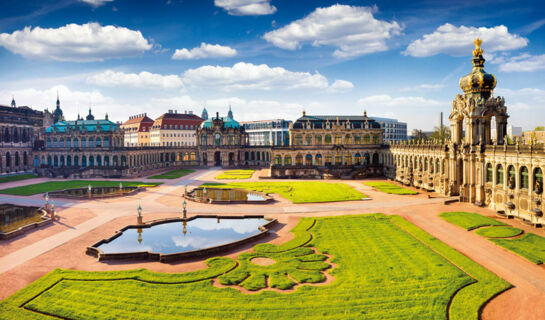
x: 169, y: 237
x: 219, y: 194
x: 13, y: 217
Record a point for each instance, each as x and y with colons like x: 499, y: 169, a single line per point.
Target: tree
x: 440, y: 133
x: 539, y: 128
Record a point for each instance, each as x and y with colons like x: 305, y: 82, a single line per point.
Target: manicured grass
x: 17, y: 177
x: 387, y: 268
x: 299, y: 191
x: 498, y: 232
x: 529, y: 246
x: 173, y: 174
x: 469, y: 220
x: 390, y: 188
x: 51, y: 186
x: 236, y: 174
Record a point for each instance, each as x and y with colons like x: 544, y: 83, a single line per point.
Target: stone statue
x: 512, y: 182
x: 538, y: 187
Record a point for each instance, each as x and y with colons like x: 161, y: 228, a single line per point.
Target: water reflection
x: 13, y: 217
x: 218, y: 194
x: 169, y: 237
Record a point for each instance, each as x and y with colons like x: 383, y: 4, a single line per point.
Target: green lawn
x: 529, y: 246
x: 299, y: 191
x: 498, y: 232
x: 390, y: 188
x: 17, y: 177
x: 236, y: 174
x: 173, y: 174
x: 469, y: 220
x: 387, y: 268
x: 51, y: 186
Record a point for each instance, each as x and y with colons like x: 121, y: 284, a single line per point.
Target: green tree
x: 440, y: 133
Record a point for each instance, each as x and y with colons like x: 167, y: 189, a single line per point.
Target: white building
x: 268, y: 132
x: 392, y: 129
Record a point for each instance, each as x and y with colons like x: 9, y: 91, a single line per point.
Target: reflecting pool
x: 220, y: 194
x: 174, y: 236
x: 13, y: 217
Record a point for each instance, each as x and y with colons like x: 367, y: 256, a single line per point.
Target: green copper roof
x: 227, y: 123
x: 89, y: 125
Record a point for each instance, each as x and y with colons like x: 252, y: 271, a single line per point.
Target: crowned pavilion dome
x: 478, y: 83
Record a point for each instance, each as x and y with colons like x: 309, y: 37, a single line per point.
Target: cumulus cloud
x: 204, y: 51
x: 352, y: 29
x: 340, y: 86
x: 246, y: 7
x: 143, y: 79
x: 458, y: 41
x: 386, y: 101
x: 424, y: 87
x: 73, y: 42
x: 522, y: 63
x: 96, y: 3
x: 250, y: 76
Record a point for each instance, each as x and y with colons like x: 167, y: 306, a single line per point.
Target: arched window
x: 106, y: 142
x: 308, y: 140
x: 366, y: 139
x: 499, y: 174
x: 338, y: 140
x: 538, y: 180
x: 489, y: 172
x: 308, y: 160
x: 55, y: 143
x: 511, y: 173
x: 278, y: 160
x: 83, y: 143
x: 299, y: 160
x: 298, y: 139
x: 287, y: 160
x: 327, y: 139
x: 347, y: 139
x: 68, y: 143
x: 524, y: 178
x: 61, y: 144
x: 347, y: 158
x: 91, y: 145
x: 318, y: 159
x: 48, y: 143
x: 338, y: 159
x: 327, y: 159
x: 357, y: 139
x: 375, y: 158
x: 357, y: 159
x: 318, y: 139
x: 203, y: 139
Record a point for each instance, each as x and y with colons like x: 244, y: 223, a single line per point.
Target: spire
x: 106, y: 117
x: 13, y: 104
x: 204, y: 114
x: 57, y: 113
x: 90, y: 115
x: 230, y: 113
x: 58, y: 101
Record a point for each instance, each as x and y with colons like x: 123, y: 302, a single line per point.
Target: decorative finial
x: 304, y: 112
x: 365, y: 113
x: 106, y: 117
x: 478, y: 51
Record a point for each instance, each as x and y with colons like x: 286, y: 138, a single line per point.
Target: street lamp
x: 120, y: 185
x: 139, y: 218
x: 89, y: 191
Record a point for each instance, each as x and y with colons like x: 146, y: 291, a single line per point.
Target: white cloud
x: 522, y: 63
x: 73, y: 42
x: 246, y: 7
x: 204, y: 51
x: 340, y: 86
x: 352, y: 29
x: 525, y: 106
x: 96, y: 3
x: 143, y: 79
x: 249, y: 76
x: 385, y: 100
x: 458, y: 41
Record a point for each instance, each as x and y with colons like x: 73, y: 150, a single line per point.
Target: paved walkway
x: 528, y: 279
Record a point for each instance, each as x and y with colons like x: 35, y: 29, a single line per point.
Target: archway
x: 217, y: 158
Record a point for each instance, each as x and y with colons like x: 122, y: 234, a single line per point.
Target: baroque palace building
x: 474, y: 164
x: 330, y: 146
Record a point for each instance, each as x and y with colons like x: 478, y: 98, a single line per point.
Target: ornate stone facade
x: 330, y: 146
x: 222, y: 141
x: 474, y: 165
x: 20, y: 128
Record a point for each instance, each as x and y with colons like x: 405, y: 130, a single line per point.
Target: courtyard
x: 373, y: 257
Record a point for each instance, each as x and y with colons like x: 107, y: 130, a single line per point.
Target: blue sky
x: 269, y: 58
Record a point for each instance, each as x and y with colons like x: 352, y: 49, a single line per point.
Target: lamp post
x: 121, y: 188
x: 204, y: 194
x: 47, y: 202
x: 184, y: 205
x: 89, y: 191
x: 139, y: 218
x: 52, y: 210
